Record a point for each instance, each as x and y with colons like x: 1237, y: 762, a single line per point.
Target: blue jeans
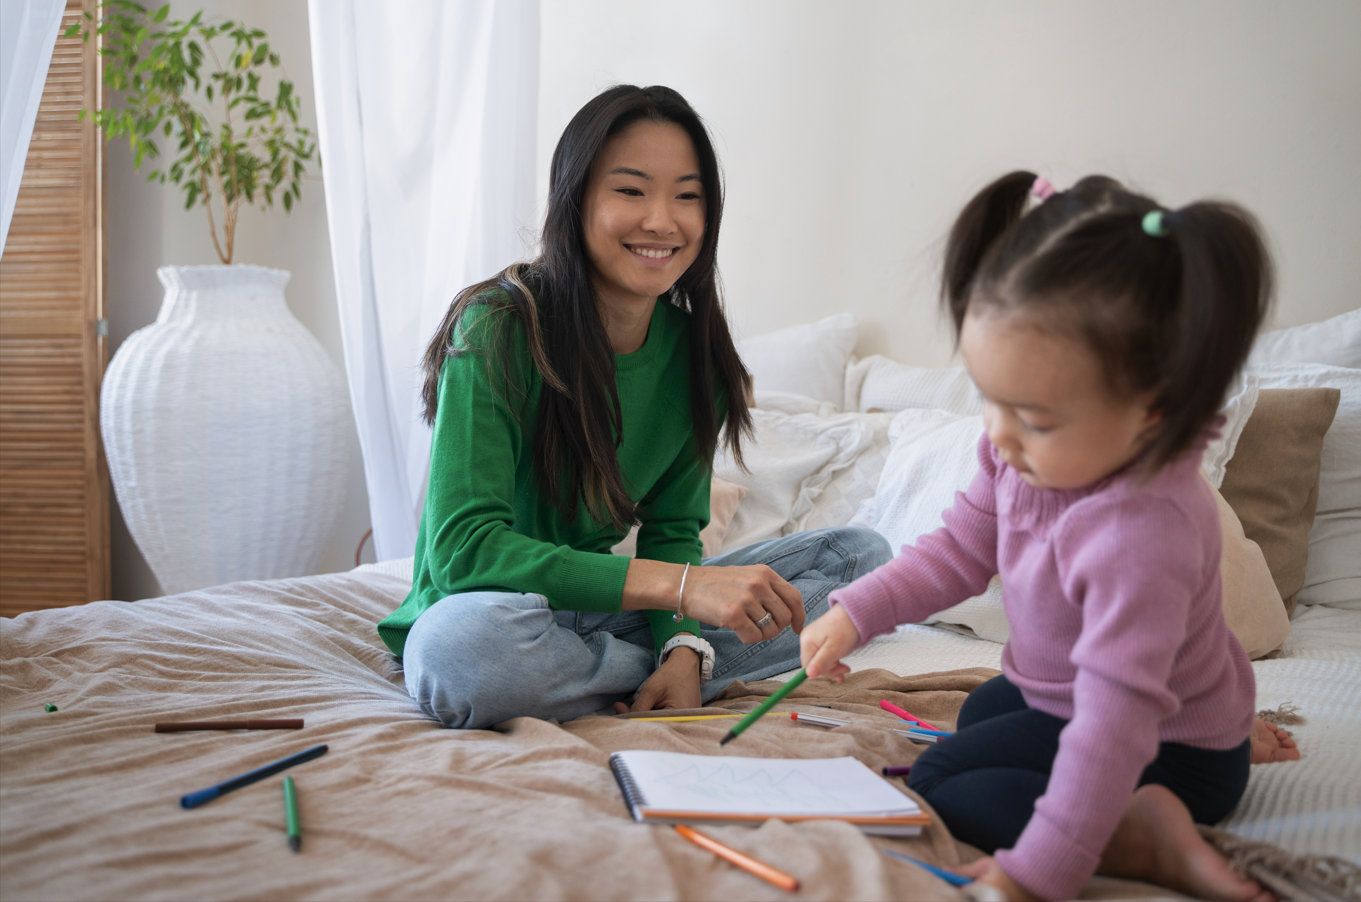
x: 478, y: 658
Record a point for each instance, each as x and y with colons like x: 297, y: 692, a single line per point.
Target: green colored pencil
x: 765, y: 706
x: 291, y: 814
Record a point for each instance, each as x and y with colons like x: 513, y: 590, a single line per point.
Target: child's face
x: 1047, y: 406
x: 643, y: 211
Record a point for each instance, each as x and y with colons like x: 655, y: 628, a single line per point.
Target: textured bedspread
x: 399, y: 807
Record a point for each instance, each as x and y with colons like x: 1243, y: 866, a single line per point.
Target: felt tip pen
x: 818, y: 720
x: 897, y: 771
x: 291, y: 815
x: 894, y: 709
x: 775, y: 697
x: 195, y: 799
x: 746, y: 863
x: 949, y: 877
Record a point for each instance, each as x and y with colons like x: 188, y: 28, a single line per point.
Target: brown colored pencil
x: 292, y: 723
x: 750, y: 865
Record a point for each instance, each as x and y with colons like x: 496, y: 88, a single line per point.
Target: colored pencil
x: 291, y: 723
x: 894, y: 709
x: 949, y: 877
x: 897, y: 771
x: 291, y: 815
x: 921, y: 736
x: 686, y: 718
x: 750, y: 865
x: 794, y: 682
x: 913, y: 728
x: 195, y: 799
x: 818, y: 720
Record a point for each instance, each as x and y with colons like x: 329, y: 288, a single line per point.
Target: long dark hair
x: 1173, y: 312
x: 580, y: 423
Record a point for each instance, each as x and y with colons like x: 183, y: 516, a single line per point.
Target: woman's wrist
x: 652, y: 586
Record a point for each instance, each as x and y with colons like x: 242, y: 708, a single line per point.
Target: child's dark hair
x: 1172, y: 310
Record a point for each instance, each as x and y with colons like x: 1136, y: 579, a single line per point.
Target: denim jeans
x: 478, y: 658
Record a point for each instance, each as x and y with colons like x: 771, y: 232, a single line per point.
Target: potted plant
x: 224, y: 421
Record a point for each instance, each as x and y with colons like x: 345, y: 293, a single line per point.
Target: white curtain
x: 28, y: 32
x: 426, y: 114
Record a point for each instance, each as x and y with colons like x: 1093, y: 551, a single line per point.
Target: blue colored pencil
x: 949, y: 877
x: 195, y: 799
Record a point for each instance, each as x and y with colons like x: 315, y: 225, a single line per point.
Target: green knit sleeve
x: 482, y: 430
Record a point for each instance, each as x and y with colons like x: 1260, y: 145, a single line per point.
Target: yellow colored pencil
x: 686, y: 718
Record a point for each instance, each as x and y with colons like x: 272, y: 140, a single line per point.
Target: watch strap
x: 705, y: 650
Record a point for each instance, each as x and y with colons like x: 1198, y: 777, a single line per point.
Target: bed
x: 401, y: 808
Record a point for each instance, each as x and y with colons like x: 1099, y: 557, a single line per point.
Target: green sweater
x: 487, y: 526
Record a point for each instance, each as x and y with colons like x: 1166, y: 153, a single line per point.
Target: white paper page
x: 671, y: 781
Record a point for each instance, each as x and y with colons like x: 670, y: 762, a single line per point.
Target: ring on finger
x: 765, y: 621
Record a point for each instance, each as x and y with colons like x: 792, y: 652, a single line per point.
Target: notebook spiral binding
x: 633, y: 796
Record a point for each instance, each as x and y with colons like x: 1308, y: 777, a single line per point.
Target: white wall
x: 146, y: 226
x: 852, y: 133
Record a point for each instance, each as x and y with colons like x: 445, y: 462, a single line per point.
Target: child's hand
x: 826, y: 641
x: 989, y: 873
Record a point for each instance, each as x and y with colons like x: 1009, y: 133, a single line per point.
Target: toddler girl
x: 1102, y: 332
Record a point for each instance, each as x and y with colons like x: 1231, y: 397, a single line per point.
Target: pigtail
x: 1225, y: 293
x: 986, y: 218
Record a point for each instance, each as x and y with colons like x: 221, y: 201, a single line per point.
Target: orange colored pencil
x: 750, y: 865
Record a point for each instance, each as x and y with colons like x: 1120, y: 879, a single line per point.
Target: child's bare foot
x: 1271, y: 743
x: 1157, y: 842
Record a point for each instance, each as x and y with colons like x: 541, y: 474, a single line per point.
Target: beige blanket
x: 400, y: 807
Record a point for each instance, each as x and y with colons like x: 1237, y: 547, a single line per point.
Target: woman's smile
x: 661, y: 254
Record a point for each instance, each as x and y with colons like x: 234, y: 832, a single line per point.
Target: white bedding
x: 1309, y: 806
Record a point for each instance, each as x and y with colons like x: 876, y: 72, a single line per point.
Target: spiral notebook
x: 674, y: 788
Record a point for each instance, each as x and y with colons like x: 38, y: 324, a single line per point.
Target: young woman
x: 577, y: 395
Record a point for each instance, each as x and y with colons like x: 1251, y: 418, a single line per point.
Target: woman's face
x: 643, y: 213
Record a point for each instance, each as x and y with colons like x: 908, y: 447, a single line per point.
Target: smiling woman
x: 573, y: 397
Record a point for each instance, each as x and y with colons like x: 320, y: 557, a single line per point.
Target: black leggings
x: 984, y: 780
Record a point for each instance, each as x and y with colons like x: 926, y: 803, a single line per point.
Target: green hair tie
x: 1153, y: 224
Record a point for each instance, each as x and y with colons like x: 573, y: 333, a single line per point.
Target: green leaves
x: 239, y: 146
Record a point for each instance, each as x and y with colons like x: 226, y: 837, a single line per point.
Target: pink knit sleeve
x: 1133, y: 567
x: 945, y: 567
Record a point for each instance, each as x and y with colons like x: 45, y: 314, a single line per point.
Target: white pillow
x: 934, y: 454
x: 807, y: 360
x: 877, y: 383
x: 1242, y: 402
x: 1335, y: 342
x: 1333, y: 574
x: 838, y: 502
x: 791, y: 460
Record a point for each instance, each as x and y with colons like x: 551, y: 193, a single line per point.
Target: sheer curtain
x: 426, y: 116
x: 28, y: 32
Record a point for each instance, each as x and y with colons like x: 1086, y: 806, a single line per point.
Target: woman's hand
x: 830, y: 638
x: 988, y: 872
x: 675, y: 684
x: 736, y: 598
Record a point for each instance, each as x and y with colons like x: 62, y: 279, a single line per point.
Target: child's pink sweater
x: 1114, y: 599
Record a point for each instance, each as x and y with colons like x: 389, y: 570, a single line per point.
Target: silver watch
x: 705, y: 650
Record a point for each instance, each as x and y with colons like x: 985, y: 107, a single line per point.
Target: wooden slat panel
x: 54, y: 516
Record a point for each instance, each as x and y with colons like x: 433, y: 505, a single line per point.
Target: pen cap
x: 195, y: 799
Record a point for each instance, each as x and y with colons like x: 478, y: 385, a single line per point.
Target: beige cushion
x: 1252, y: 606
x: 1272, y: 481
x: 724, y: 497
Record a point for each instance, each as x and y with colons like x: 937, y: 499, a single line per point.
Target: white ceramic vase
x: 224, y: 428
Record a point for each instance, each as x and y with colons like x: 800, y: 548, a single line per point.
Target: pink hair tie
x: 1042, y: 188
